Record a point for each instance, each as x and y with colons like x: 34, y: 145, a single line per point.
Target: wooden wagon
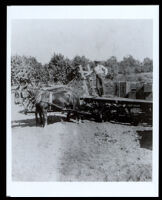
x: 119, y: 109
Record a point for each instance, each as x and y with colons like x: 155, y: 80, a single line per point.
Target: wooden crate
x: 132, y: 94
x: 148, y: 87
x: 121, y: 89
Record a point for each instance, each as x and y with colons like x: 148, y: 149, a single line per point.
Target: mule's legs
x: 75, y: 114
x: 40, y: 116
x: 44, y: 118
x: 68, y: 116
x: 36, y: 117
x: 45, y: 114
x: 101, y: 116
x: 79, y: 118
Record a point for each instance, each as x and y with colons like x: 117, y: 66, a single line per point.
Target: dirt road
x: 67, y: 151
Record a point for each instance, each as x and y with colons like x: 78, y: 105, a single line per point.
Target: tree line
x: 62, y: 70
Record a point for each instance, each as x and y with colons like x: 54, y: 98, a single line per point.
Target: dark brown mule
x: 62, y: 100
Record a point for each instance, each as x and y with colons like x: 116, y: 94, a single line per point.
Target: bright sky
x: 95, y: 39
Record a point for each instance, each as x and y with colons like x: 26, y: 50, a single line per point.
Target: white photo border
x: 86, y: 189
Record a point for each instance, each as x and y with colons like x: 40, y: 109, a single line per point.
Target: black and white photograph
x: 81, y: 99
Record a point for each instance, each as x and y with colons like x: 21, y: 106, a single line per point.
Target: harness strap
x: 53, y: 104
x: 61, y: 108
x: 33, y: 100
x: 50, y: 97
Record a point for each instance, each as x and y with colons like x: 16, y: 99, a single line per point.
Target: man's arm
x: 105, y: 69
x: 88, y: 73
x: 84, y: 73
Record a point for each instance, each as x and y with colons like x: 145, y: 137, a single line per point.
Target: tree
x: 59, y: 68
x: 112, y: 66
x: 62, y: 70
x: 25, y: 67
x: 147, y: 65
x: 45, y: 73
x: 128, y: 65
x: 78, y: 60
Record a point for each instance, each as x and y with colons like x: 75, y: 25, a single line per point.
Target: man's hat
x: 96, y: 62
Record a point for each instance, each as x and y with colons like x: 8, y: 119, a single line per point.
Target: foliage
x: 80, y: 60
x: 59, y: 68
x: 25, y: 67
x: 147, y: 65
x: 112, y: 66
x: 62, y: 70
x: 128, y: 65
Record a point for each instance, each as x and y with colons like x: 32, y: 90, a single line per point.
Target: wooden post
x: 119, y: 88
x: 88, y: 68
x: 84, y: 81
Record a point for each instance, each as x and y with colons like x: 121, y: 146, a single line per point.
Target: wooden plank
x: 117, y: 100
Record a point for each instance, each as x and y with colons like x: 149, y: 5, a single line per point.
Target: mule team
x: 58, y: 99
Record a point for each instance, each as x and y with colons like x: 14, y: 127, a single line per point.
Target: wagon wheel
x: 99, y: 109
x: 135, y: 122
x: 95, y: 114
x: 107, y: 114
x: 134, y: 119
x: 98, y: 118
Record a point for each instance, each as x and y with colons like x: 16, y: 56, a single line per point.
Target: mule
x: 64, y: 100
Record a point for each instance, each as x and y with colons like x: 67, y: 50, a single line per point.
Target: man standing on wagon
x: 100, y: 72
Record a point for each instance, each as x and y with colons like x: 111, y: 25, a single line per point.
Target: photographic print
x: 81, y: 100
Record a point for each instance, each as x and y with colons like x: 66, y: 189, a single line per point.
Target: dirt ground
x: 67, y: 151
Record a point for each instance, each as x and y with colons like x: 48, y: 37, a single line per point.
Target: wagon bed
x: 116, y: 100
x: 133, y: 111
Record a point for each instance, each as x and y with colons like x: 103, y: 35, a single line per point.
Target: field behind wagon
x: 67, y: 151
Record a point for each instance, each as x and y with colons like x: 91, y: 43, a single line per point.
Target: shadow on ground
x: 32, y: 123
x: 145, y: 139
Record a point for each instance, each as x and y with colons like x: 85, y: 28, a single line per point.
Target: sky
x: 95, y: 39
